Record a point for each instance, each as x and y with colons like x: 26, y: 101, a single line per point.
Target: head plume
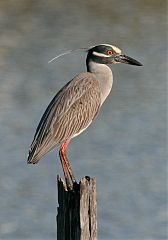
x: 68, y: 52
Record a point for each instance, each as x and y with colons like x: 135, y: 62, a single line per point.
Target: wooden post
x: 76, y: 218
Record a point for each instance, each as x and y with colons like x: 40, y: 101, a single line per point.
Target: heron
x: 76, y: 105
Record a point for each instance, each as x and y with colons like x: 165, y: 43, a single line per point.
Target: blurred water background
x: 125, y: 149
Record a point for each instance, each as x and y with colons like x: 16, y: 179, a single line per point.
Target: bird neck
x: 104, y: 75
x: 95, y: 67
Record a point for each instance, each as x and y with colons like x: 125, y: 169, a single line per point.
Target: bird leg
x: 63, y: 148
x: 64, y: 169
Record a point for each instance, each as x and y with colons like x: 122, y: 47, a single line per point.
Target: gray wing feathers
x: 70, y: 111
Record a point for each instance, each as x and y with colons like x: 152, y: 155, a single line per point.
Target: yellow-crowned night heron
x: 76, y: 105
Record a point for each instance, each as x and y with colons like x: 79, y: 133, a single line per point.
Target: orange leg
x: 64, y: 169
x: 63, y: 148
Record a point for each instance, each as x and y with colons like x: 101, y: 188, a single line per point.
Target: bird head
x: 109, y: 54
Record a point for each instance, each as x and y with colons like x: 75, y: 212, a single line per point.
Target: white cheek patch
x: 100, y: 54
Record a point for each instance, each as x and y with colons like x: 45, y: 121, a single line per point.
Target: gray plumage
x: 75, y: 106
x: 71, y: 110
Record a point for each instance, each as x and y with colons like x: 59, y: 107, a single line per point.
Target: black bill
x: 128, y: 60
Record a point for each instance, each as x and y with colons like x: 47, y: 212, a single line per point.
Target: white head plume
x: 67, y: 52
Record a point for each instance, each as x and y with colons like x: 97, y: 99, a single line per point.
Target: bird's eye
x: 109, y: 52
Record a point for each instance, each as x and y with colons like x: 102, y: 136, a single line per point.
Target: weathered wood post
x: 76, y: 218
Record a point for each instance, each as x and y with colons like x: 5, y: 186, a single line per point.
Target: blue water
x: 125, y: 148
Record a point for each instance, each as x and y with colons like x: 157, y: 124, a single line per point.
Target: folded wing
x: 69, y: 113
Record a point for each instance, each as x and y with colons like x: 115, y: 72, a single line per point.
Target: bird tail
x: 33, y: 157
x: 37, y: 151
